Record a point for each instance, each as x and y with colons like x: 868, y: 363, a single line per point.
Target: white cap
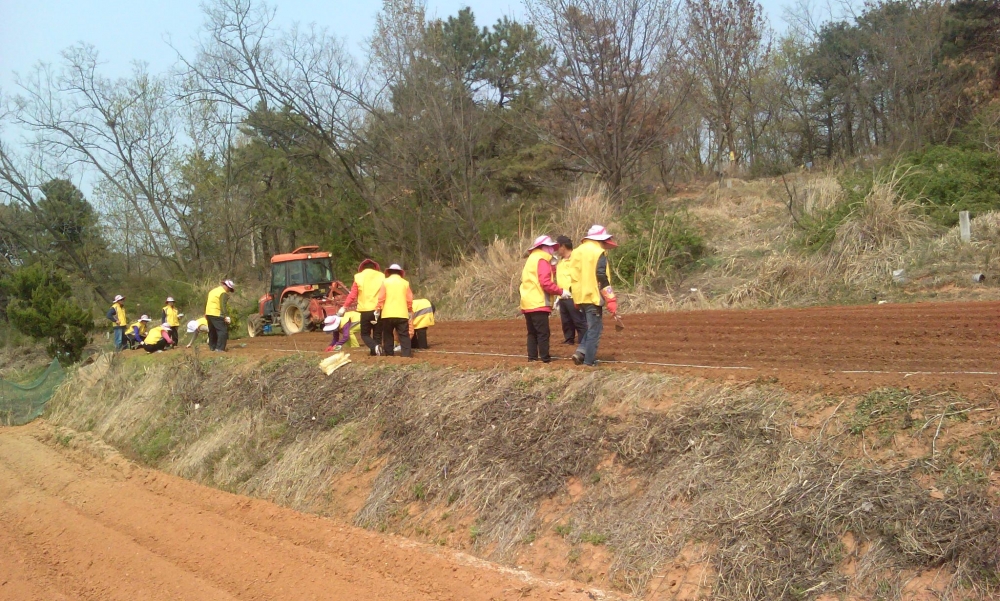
x: 119, y: 297
x: 229, y: 284
x: 192, y: 326
x: 542, y: 241
x: 599, y: 233
x: 144, y: 318
x: 170, y: 299
x: 331, y: 323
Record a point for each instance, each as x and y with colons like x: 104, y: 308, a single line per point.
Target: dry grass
x: 713, y: 464
x: 486, y: 286
x: 872, y: 241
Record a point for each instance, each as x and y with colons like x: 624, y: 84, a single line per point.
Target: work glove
x: 179, y: 315
x: 610, y: 301
x: 340, y: 313
x: 228, y: 320
x: 565, y: 294
x: 376, y: 317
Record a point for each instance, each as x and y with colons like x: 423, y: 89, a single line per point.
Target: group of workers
x: 577, y: 281
x: 384, y: 312
x: 138, y: 334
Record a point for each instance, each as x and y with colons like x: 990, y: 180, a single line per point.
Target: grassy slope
x: 649, y: 483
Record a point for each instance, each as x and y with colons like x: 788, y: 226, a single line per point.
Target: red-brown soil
x: 822, y: 349
x: 76, y: 523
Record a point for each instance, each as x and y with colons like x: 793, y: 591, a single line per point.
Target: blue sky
x: 128, y: 30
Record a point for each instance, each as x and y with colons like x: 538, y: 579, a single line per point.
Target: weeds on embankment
x: 782, y: 496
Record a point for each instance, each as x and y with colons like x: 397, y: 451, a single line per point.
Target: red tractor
x: 302, y: 294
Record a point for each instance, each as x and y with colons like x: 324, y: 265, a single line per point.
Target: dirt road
x: 829, y: 349
x: 79, y: 522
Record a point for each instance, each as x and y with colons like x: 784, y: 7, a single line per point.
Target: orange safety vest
x: 395, y: 298
x: 369, y: 281
x: 583, y: 265
x: 532, y: 295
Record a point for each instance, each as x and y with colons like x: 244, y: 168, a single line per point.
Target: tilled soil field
x: 824, y: 349
x: 77, y: 524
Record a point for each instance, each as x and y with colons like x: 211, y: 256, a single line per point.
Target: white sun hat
x: 119, y: 297
x: 170, y: 299
x: 144, y: 318
x: 331, y: 323
x: 229, y: 284
x: 599, y: 233
x: 542, y: 241
x: 192, y: 326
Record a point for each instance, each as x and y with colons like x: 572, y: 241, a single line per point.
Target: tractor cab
x: 302, y: 293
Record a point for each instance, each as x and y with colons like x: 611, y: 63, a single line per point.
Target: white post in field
x: 963, y: 224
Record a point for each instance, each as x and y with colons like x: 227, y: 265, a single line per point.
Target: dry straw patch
x: 872, y: 241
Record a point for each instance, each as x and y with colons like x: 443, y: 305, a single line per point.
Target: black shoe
x: 577, y: 358
x: 549, y: 360
x: 568, y: 342
x: 531, y: 360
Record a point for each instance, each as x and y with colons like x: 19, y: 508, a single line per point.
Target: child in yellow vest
x: 423, y: 318
x: 392, y: 311
x: 537, y: 290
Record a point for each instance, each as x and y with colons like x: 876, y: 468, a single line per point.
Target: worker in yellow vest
x: 216, y: 309
x: 392, y: 311
x: 172, y: 318
x: 367, y: 283
x: 136, y: 332
x: 344, y: 329
x: 423, y: 318
x: 119, y: 321
x: 196, y: 327
x: 591, y: 289
x: 574, y: 323
x: 537, y: 293
x: 158, y: 339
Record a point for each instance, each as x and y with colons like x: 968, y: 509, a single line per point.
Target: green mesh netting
x: 21, y: 403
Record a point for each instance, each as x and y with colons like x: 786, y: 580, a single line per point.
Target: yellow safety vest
x: 121, y: 320
x: 213, y: 307
x: 395, y: 298
x: 583, y: 265
x: 423, y: 313
x: 564, y: 275
x: 355, y: 318
x: 155, y: 335
x: 140, y: 324
x: 532, y: 295
x: 172, y: 319
x: 369, y: 283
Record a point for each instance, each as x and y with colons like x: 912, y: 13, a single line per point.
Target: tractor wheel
x: 295, y: 316
x: 255, y: 325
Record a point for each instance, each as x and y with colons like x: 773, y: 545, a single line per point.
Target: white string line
x: 905, y: 374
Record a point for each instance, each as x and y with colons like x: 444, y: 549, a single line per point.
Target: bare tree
x: 615, y: 81
x: 728, y: 46
x: 125, y: 130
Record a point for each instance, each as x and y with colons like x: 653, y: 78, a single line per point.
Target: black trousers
x: 370, y: 333
x: 538, y: 335
x: 218, y: 332
x: 159, y: 346
x: 420, y: 338
x: 574, y: 322
x: 401, y: 326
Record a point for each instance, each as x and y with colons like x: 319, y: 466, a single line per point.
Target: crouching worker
x: 195, y: 327
x: 537, y: 290
x: 423, y: 318
x: 393, y: 310
x: 345, y: 330
x: 137, y: 332
x: 158, y: 339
